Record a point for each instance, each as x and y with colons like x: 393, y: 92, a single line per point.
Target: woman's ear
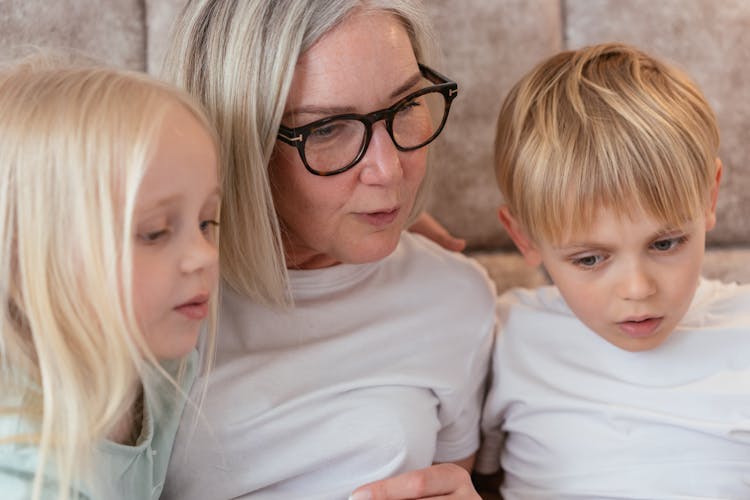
x: 711, y: 213
x: 525, y: 245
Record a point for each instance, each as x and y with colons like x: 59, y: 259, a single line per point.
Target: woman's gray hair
x: 238, y: 58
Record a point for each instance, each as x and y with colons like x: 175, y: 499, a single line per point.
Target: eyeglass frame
x: 297, y: 136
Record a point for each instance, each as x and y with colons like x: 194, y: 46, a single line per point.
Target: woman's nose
x: 381, y: 162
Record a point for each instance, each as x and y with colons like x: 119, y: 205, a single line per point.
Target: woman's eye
x: 325, y: 131
x: 410, y: 105
x: 588, y: 261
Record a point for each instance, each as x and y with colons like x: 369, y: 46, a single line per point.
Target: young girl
x: 109, y: 203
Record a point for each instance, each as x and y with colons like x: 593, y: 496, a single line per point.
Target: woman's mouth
x: 380, y: 219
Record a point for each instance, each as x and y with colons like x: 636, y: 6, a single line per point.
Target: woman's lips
x: 639, y: 328
x: 380, y: 219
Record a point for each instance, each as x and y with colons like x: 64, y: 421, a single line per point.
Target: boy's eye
x: 588, y: 261
x: 668, y: 244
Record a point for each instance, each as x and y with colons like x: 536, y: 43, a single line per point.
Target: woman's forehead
x: 357, y: 66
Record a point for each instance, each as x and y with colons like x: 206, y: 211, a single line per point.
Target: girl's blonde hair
x: 604, y: 126
x: 75, y: 142
x: 238, y: 57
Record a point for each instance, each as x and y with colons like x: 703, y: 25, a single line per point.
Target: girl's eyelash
x: 150, y: 237
x: 153, y: 237
x: 206, y: 225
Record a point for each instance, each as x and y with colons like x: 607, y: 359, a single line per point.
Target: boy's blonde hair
x: 606, y: 126
x: 238, y: 58
x: 75, y: 143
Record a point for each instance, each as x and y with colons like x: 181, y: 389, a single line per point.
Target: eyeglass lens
x: 336, y: 144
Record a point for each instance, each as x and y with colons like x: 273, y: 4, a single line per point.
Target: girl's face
x: 175, y: 257
x: 365, y: 64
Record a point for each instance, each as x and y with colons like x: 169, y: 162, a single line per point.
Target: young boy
x: 631, y: 377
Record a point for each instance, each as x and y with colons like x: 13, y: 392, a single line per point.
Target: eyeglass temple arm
x: 284, y: 135
x: 433, y: 75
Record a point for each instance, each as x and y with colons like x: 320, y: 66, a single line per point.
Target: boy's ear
x: 711, y: 214
x: 525, y: 245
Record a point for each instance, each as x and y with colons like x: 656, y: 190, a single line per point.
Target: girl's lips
x: 380, y: 219
x: 639, y: 328
x: 196, y: 309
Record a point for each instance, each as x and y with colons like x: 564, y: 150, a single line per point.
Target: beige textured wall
x: 112, y: 31
x: 708, y: 39
x: 488, y: 44
x: 160, y: 15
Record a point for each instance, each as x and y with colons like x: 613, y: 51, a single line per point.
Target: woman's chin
x: 375, y: 247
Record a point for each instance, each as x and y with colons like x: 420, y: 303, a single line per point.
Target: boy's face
x: 630, y: 280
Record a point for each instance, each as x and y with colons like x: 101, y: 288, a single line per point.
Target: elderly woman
x: 359, y: 353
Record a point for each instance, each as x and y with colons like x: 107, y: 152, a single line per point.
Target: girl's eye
x: 153, y: 236
x: 206, y: 225
x: 668, y: 244
x: 588, y: 261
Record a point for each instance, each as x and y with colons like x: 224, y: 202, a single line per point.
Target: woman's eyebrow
x: 408, y: 85
x: 314, y: 109
x: 340, y: 110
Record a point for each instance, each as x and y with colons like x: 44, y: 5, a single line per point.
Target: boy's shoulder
x: 716, y: 300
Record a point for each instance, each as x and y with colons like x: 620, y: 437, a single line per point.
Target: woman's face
x: 365, y: 64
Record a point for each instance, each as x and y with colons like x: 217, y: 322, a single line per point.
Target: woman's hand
x: 427, y: 226
x: 445, y: 481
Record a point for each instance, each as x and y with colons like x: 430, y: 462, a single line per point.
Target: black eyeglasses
x: 335, y: 144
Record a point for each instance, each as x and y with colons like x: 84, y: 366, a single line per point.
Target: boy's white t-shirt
x: 378, y: 369
x: 583, y: 419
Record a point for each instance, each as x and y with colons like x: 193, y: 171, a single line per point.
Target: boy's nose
x: 636, y: 284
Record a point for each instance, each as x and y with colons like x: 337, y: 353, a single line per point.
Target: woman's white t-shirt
x: 377, y: 369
